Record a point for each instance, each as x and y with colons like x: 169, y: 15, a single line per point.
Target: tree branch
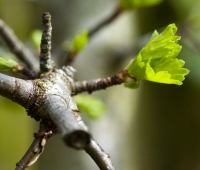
x: 117, y: 11
x: 37, y: 147
x: 18, y: 47
x: 45, y: 54
x: 101, y: 83
x: 26, y: 71
x: 17, y: 90
x: 72, y: 133
x: 101, y: 158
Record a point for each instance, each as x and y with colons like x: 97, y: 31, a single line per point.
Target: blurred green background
x: 155, y: 127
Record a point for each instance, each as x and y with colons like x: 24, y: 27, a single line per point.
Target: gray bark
x: 18, y: 90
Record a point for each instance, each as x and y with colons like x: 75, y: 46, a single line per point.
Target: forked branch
x: 37, y: 147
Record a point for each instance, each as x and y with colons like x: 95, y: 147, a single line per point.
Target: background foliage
x: 154, y: 127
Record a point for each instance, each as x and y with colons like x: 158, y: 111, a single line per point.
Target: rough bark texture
x: 55, y: 106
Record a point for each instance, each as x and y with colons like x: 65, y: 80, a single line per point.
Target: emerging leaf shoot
x: 157, y: 61
x: 132, y: 4
x: 36, y: 38
x: 7, y: 64
x: 80, y: 41
x: 91, y: 106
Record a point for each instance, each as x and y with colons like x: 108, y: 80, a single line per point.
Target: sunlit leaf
x: 36, y: 36
x: 157, y: 61
x: 7, y: 64
x: 80, y: 41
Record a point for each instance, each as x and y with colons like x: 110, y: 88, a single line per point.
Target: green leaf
x: 157, y: 61
x: 132, y: 4
x: 36, y: 36
x: 91, y: 106
x: 7, y: 64
x: 132, y: 85
x: 80, y: 41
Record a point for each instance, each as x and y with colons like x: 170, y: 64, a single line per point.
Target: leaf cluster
x: 157, y: 61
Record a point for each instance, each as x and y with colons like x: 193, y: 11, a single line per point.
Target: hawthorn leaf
x: 36, y: 36
x: 7, y: 64
x: 80, y: 41
x: 157, y: 61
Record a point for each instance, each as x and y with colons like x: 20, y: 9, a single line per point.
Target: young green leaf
x: 36, y: 36
x: 91, y: 106
x: 157, y: 61
x: 7, y: 64
x: 132, y: 4
x: 80, y: 41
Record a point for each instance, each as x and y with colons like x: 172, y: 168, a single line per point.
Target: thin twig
x: 101, y: 83
x: 37, y: 147
x: 94, y: 85
x: 101, y: 158
x: 45, y: 54
x: 70, y: 57
x: 17, y: 47
x: 117, y: 11
x: 185, y: 31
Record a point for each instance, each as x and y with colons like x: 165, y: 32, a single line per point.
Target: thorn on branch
x: 45, y: 54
